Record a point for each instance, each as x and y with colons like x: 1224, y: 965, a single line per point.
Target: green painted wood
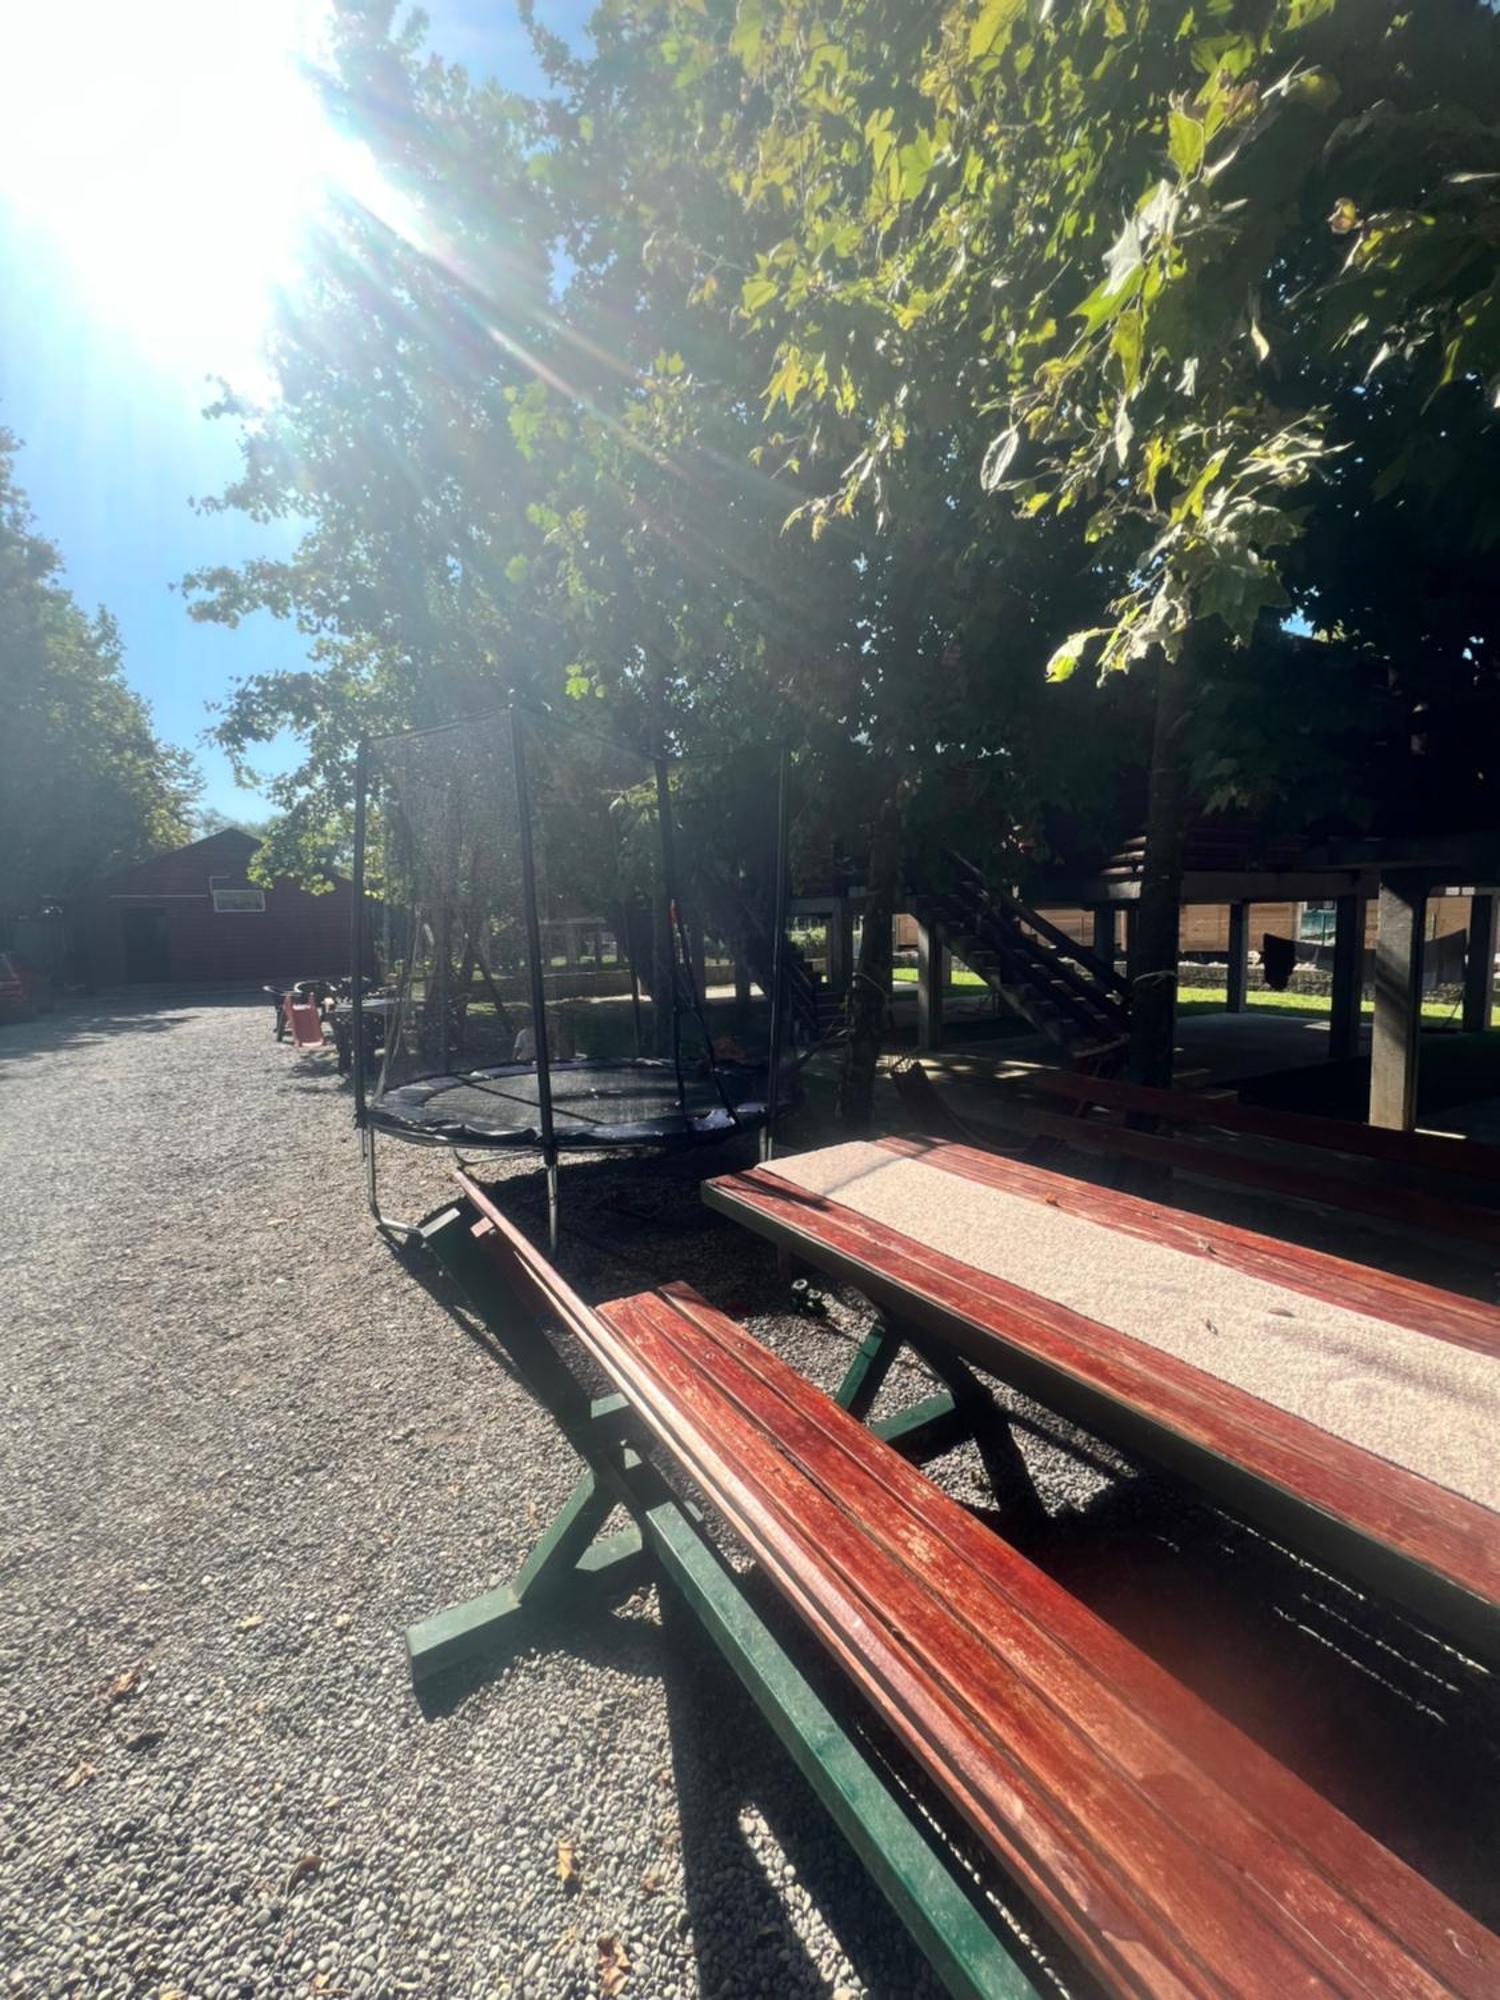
x: 868, y: 1370
x: 925, y: 1429
x: 573, y: 1527
x: 922, y: 1886
x: 481, y: 1625
x: 459, y: 1632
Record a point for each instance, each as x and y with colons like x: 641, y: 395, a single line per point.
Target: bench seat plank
x: 1430, y: 1547
x: 1178, y: 1856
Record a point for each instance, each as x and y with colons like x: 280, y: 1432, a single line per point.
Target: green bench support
x: 966, y: 1943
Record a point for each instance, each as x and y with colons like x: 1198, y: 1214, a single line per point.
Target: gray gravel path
x: 241, y: 1448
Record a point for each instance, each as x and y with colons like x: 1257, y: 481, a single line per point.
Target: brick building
x: 194, y: 917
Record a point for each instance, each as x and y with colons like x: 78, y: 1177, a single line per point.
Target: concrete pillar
x: 1348, y: 977
x: 1396, y: 1041
x: 1104, y: 932
x: 1479, y: 964
x: 1239, y: 957
x: 931, y: 979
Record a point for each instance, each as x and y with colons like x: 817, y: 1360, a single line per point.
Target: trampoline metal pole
x: 778, y: 957
x: 538, y: 974
x: 668, y: 833
x: 357, y: 932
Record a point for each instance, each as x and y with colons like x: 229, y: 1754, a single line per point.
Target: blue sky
x: 109, y: 410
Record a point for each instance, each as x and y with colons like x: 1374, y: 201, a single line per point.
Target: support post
x: 930, y: 970
x: 1348, y: 977
x: 1396, y: 1039
x: 1238, y: 984
x: 538, y: 975
x: 357, y: 933
x: 1479, y: 963
x: 1103, y: 915
x: 840, y: 944
x: 778, y: 950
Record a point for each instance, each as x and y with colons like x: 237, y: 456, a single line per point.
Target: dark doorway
x: 148, y: 952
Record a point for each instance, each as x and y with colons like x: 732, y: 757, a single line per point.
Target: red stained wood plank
x: 1432, y: 1531
x: 1316, y: 1273
x: 1403, y: 1205
x: 1109, y: 1775
x: 1430, y: 1150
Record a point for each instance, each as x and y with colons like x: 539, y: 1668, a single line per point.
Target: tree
x: 1184, y: 265
x: 85, y: 784
x: 575, y: 494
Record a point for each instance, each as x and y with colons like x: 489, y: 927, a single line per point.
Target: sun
x: 173, y: 151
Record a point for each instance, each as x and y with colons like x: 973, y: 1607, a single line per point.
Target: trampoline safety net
x: 516, y: 868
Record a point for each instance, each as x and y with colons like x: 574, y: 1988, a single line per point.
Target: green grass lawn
x: 1210, y: 1000
x: 960, y: 979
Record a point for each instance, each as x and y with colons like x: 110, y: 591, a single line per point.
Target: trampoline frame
x: 546, y: 1141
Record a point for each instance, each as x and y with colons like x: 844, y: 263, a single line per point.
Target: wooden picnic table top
x: 1354, y: 1412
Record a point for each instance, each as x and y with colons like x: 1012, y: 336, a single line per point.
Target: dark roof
x: 231, y: 844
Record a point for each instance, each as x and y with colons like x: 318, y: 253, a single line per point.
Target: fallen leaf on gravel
x: 122, y: 1686
x: 614, y: 1966
x: 250, y: 1624
x: 567, y: 1862
x: 303, y: 1870
x: 651, y: 1883
x: 79, y: 1775
x: 143, y: 1739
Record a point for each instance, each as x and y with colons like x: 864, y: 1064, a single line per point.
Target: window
x: 234, y: 902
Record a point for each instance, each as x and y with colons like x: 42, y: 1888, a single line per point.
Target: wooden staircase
x: 1065, y: 991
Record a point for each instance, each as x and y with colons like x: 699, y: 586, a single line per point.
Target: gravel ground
x: 242, y: 1447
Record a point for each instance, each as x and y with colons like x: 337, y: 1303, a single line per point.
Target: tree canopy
x: 85, y: 784
x: 852, y: 373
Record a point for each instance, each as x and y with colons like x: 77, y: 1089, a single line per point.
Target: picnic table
x: 1349, y: 1411
x: 1169, y: 1853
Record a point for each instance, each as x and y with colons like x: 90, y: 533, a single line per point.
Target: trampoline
x: 580, y: 947
x: 594, y: 1103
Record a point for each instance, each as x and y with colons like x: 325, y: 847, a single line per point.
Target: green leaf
x: 749, y: 35
x: 1185, y: 143
x: 916, y: 165
x: 758, y: 292
x: 991, y: 30
x: 1066, y: 661
x: 1129, y: 344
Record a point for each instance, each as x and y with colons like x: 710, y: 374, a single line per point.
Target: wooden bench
x: 1292, y: 1157
x: 1173, y: 1855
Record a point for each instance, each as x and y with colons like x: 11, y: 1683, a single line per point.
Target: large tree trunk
x: 870, y: 993
x: 1153, y: 967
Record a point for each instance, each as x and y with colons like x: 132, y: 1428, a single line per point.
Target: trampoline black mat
x: 594, y: 1103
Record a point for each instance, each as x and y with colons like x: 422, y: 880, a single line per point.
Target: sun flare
x: 172, y: 152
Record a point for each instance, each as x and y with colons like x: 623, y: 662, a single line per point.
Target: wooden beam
x: 1103, y: 915
x: 1348, y: 977
x: 1396, y: 1040
x: 931, y: 959
x: 1239, y: 957
x: 1479, y: 965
